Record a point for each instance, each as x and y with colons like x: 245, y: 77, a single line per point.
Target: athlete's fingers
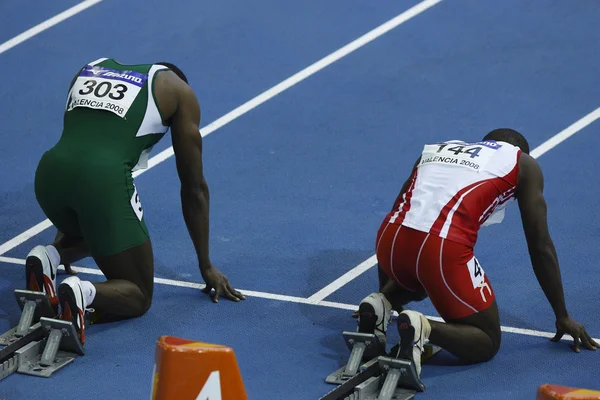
x: 558, y: 336
x: 587, y: 341
x: 576, y: 343
x: 355, y: 314
x: 227, y: 292
x: 237, y: 294
x: 215, y: 298
x: 69, y: 270
x: 592, y: 341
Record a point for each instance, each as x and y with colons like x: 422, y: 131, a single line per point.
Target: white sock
x: 54, y: 256
x: 89, y: 292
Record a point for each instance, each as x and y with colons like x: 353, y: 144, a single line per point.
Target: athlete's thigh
x: 488, y: 320
x: 397, y: 250
x: 52, y: 195
x: 454, y: 279
x: 112, y: 219
x: 135, y: 264
x: 111, y: 215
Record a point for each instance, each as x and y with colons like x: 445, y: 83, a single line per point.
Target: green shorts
x: 92, y: 199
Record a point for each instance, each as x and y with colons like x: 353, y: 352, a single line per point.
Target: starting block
x: 372, y: 374
x: 384, y: 378
x: 47, y: 356
x: 34, y: 305
x: 38, y: 348
x: 363, y: 346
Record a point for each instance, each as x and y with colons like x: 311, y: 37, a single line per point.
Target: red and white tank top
x: 457, y: 188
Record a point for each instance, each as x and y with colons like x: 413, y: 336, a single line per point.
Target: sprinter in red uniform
x: 425, y: 248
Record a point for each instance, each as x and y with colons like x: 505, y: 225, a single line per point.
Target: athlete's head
x: 509, y: 136
x: 175, y: 69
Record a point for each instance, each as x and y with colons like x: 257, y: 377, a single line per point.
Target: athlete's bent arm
x: 544, y: 259
x: 187, y: 146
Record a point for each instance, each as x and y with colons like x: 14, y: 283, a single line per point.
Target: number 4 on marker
x: 212, y: 388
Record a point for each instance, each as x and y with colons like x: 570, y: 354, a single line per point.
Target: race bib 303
x: 106, y: 89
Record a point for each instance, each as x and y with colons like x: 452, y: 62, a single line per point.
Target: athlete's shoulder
x: 168, y: 77
x: 530, y: 171
x: 173, y: 91
x: 172, y: 73
x: 528, y: 163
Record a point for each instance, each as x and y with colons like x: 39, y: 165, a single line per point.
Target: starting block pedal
x: 384, y: 378
x: 373, y: 374
x: 40, y: 344
x: 57, y: 350
x: 34, y: 305
x: 363, y: 346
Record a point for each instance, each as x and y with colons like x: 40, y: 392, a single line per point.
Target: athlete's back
x: 458, y: 187
x: 111, y: 116
x: 111, y: 122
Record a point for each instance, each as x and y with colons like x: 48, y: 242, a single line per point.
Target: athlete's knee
x: 143, y: 304
x: 492, y: 329
x: 147, y: 304
x: 138, y: 300
x: 495, y: 339
x: 488, y: 352
x: 485, y: 350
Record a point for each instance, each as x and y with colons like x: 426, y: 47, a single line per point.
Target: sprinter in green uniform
x: 114, y: 115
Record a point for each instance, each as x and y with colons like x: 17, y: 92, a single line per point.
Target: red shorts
x: 447, y: 271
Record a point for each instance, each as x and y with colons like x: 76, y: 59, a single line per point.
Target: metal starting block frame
x: 372, y: 374
x: 47, y: 356
x: 363, y: 346
x: 34, y: 305
x: 384, y: 378
x: 45, y: 347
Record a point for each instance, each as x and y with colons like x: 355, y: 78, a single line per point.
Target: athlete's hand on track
x: 215, y: 279
x: 571, y: 327
x: 68, y: 269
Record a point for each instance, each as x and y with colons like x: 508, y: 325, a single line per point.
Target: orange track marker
x: 556, y: 392
x: 185, y: 369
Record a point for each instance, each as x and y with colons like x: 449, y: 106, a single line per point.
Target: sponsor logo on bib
x: 106, y: 89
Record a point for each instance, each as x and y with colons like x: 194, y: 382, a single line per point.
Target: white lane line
x: 49, y: 23
x: 565, y: 134
x: 535, y: 153
x: 25, y: 236
x: 342, y: 280
x: 172, y: 282
x: 281, y: 297
x: 258, y: 100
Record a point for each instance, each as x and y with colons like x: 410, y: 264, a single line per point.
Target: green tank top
x: 111, y: 116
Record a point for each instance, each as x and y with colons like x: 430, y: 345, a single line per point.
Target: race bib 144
x: 106, y: 89
x: 470, y: 155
